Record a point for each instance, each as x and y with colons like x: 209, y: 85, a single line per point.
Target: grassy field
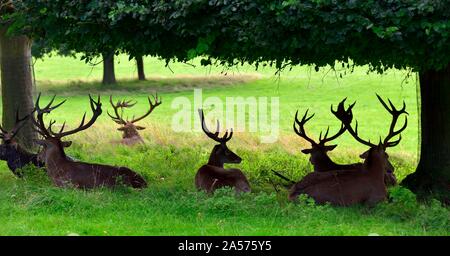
x: 169, y: 160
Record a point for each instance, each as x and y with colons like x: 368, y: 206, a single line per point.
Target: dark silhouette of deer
x: 318, y: 151
x: 67, y: 173
x: 15, y: 156
x: 213, y: 175
x: 130, y: 131
x: 347, y: 116
x: 348, y: 187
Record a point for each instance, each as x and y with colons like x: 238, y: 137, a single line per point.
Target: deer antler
x: 96, y: 107
x: 39, y: 123
x: 346, y: 117
x: 152, y: 107
x: 20, y: 122
x: 214, y: 136
x: 301, y: 126
x: 301, y: 130
x: 120, y: 104
x: 395, y: 115
x: 118, y: 118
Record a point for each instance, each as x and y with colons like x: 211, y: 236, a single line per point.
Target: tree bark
x: 17, y: 84
x: 140, y: 68
x: 109, y: 76
x: 432, y: 176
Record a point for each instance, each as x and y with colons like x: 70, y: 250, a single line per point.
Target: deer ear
x: 331, y: 147
x: 306, y: 151
x: 121, y: 128
x: 364, y: 155
x: 66, y: 144
x: 140, y: 127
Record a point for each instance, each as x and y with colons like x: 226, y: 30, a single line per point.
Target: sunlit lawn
x: 169, y: 159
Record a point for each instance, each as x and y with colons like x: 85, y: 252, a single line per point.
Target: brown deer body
x: 213, y: 175
x: 129, y: 129
x: 10, y: 151
x: 67, y: 173
x: 348, y: 187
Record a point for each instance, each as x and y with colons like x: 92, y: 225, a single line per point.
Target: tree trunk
x: 140, y: 68
x: 432, y: 176
x: 17, y: 84
x: 109, y: 77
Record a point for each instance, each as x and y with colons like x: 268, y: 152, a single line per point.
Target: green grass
x: 169, y: 160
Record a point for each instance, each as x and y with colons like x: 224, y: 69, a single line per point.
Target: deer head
x: 318, y: 150
x: 52, y: 142
x: 220, y: 154
x: 9, y: 144
x: 345, y: 116
x: 129, y: 127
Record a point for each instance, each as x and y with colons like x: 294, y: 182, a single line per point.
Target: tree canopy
x: 383, y: 34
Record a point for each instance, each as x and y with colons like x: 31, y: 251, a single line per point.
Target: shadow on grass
x: 176, y: 83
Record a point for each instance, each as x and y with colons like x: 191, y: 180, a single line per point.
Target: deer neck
x: 54, y: 157
x: 324, y: 162
x: 215, y: 160
x: 375, y: 167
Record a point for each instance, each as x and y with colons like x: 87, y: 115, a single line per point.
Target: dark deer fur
x: 213, y: 175
x: 348, y: 187
x: 67, y: 173
x: 10, y: 151
x: 129, y: 129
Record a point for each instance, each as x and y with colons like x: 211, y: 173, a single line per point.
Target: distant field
x: 170, y: 159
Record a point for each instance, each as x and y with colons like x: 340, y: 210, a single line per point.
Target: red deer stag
x: 213, y: 175
x: 319, y: 157
x: 15, y: 156
x: 66, y: 173
x: 347, y: 116
x: 129, y: 128
x: 348, y: 187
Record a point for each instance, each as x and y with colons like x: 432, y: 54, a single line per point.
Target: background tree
x: 140, y: 68
x: 382, y: 34
x: 16, y: 76
x: 109, y: 75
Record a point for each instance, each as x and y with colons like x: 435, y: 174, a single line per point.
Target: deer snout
x: 236, y: 160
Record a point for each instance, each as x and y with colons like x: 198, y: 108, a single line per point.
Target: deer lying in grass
x: 129, y: 128
x: 213, y: 175
x: 15, y: 156
x: 66, y: 173
x: 347, y: 116
x: 348, y: 187
x: 319, y: 157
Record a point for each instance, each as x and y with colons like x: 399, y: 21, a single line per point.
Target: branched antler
x: 96, y: 107
x: 395, y: 115
x: 346, y: 118
x: 19, y: 123
x: 215, y: 136
x: 118, y: 118
x: 300, y: 131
